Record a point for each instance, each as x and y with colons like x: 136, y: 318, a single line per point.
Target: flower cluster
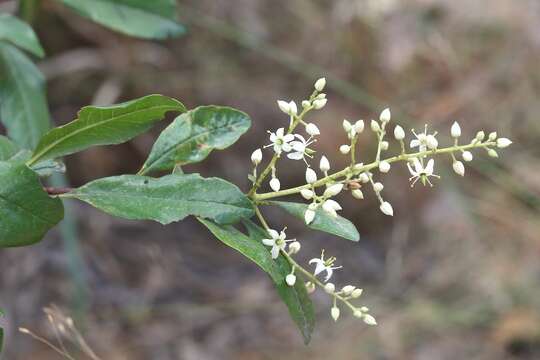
x: 419, y: 160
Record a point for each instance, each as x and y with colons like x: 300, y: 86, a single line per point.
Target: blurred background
x: 455, y: 274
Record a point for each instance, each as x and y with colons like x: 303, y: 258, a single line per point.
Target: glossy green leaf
x: 19, y: 33
x: 23, y: 107
x: 323, y: 221
x: 7, y: 148
x: 166, y: 199
x: 26, y: 211
x: 154, y: 19
x: 107, y: 125
x: 193, y: 135
x: 295, y: 297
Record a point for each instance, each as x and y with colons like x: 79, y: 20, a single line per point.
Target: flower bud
x: 375, y: 126
x: 357, y: 293
x: 455, y: 130
x: 256, y: 157
x: 432, y: 142
x: 384, y: 166
x: 320, y: 96
x: 385, y: 116
x: 329, y: 288
x: 306, y: 194
x: 358, y: 314
x: 324, y: 164
x: 344, y: 149
x: 284, y: 106
x: 335, y: 313
x: 312, y: 129
x: 357, y: 194
x: 503, y: 142
x: 384, y: 145
x: 330, y: 206
x: 378, y: 187
x: 387, y: 209
x: 319, y: 103
x: 309, y: 216
x: 467, y: 156
x: 293, y: 110
x: 320, y: 84
x: 348, y: 289
x: 480, y: 136
x: 492, y: 153
x: 311, y: 176
x: 275, y: 184
x: 399, y: 133
x: 492, y: 136
x: 290, y: 279
x: 305, y: 104
x: 363, y: 177
x: 458, y: 167
x: 359, y: 126
x: 294, y: 247
x: 333, y: 190
x: 346, y: 125
x: 310, y: 287
x: 370, y: 320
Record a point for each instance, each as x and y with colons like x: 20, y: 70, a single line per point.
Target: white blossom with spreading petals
x: 299, y: 148
x: 280, y: 141
x: 322, y: 265
x: 277, y: 241
x: 421, y: 173
x: 424, y: 140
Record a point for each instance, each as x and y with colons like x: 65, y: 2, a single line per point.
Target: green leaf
x: 19, y: 33
x: 295, y: 297
x: 193, y: 135
x: 323, y: 221
x: 23, y: 107
x: 146, y: 19
x: 7, y: 148
x: 104, y: 126
x: 27, y: 212
x: 166, y: 199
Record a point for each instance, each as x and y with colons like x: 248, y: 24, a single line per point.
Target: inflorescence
x: 354, y: 178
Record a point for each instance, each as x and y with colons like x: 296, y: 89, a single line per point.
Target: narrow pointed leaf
x: 23, y: 107
x: 295, y: 297
x: 193, y: 135
x: 19, y: 33
x: 107, y: 125
x: 166, y: 199
x: 154, y: 19
x: 26, y: 211
x: 323, y: 221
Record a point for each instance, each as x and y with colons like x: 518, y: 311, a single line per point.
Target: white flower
x: 492, y: 153
x: 329, y: 288
x: 399, y: 133
x: 348, y: 289
x: 492, y: 136
x: 385, y: 115
x: 480, y: 136
x: 309, y: 216
x: 347, y: 126
x: 275, y: 184
x: 363, y: 177
x: 331, y: 206
x: 424, y: 140
x: 503, y: 142
x: 467, y: 156
x: 294, y: 247
x: 280, y: 141
x: 370, y: 320
x: 375, y: 126
x: 384, y: 145
x: 307, y: 194
x: 378, y: 187
x: 384, y: 166
x: 299, y: 148
x: 290, y: 279
x: 312, y: 129
x: 324, y: 164
x: 293, y: 109
x: 305, y: 103
x: 455, y: 130
x: 344, y: 149
x: 357, y: 293
x: 421, y: 173
x: 387, y: 209
x: 335, y: 313
x: 310, y: 287
x: 319, y: 103
x: 333, y: 190
x: 324, y: 265
x: 311, y: 176
x: 320, y: 84
x: 256, y: 157
x: 357, y: 194
x: 359, y: 126
x: 458, y: 167
x: 277, y: 242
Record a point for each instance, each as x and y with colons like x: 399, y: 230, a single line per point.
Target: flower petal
x: 296, y: 155
x: 274, y: 252
x: 273, y: 233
